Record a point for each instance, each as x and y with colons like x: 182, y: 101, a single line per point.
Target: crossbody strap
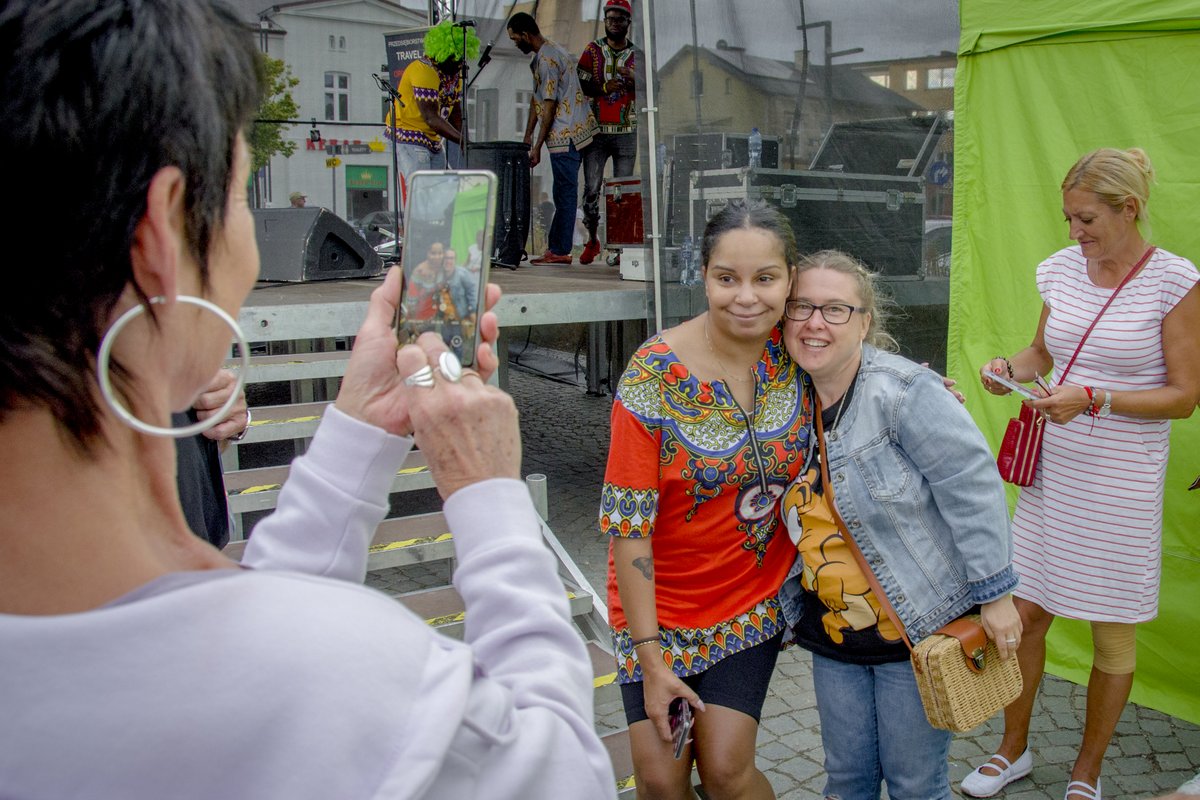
x: 827, y: 490
x: 1136, y: 267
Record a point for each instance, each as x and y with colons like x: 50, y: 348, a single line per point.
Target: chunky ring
x: 450, y: 367
x: 422, y: 377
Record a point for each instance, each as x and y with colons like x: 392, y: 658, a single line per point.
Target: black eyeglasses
x: 833, y: 313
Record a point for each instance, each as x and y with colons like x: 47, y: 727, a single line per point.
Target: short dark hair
x: 521, y: 22
x: 98, y: 96
x: 754, y: 214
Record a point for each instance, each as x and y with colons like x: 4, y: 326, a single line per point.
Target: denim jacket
x: 918, y: 489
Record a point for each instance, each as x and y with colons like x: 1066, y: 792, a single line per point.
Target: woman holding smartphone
x: 709, y: 427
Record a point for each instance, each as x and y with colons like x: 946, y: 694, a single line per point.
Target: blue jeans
x: 565, y: 168
x: 410, y: 158
x: 622, y: 148
x: 874, y: 729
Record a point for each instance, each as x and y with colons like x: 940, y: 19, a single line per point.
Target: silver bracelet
x: 237, y: 437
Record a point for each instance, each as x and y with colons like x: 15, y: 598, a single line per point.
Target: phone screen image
x: 448, y: 225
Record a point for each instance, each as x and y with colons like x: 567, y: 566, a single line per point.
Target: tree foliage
x: 266, y: 138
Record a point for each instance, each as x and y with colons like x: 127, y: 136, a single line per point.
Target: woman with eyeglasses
x: 900, y: 466
x: 709, y: 427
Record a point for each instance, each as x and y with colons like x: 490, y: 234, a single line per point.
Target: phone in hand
x: 1019, y: 388
x: 680, y: 716
x: 448, y: 222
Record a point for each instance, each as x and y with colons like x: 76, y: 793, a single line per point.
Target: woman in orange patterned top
x: 709, y: 427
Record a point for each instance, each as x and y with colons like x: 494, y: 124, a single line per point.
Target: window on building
x: 331, y: 45
x: 941, y: 78
x: 341, y: 43
x: 482, y: 112
x: 337, y: 96
x: 524, y: 98
x: 729, y: 86
x: 882, y: 78
x: 910, y: 80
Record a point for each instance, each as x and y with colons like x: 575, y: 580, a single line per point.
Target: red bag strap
x: 1128, y: 277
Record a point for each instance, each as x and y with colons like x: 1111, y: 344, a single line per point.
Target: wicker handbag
x: 961, y: 678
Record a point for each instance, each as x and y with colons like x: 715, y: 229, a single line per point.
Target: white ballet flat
x: 981, y: 784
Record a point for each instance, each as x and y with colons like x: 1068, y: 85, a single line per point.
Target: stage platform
x: 533, y: 295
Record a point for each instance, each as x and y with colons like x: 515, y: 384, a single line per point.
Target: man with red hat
x: 606, y: 75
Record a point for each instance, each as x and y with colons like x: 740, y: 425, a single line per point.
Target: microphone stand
x: 397, y: 104
x: 463, y: 71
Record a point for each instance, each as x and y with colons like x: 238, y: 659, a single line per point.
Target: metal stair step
x: 291, y: 421
x: 443, y: 608
x: 258, y: 489
x: 295, y: 366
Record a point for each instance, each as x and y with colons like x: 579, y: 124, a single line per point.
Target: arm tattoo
x: 646, y: 565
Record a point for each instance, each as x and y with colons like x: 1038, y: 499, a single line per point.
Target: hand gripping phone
x: 1019, y: 388
x: 449, y: 219
x: 680, y: 716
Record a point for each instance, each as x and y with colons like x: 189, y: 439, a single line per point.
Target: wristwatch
x: 1105, y: 409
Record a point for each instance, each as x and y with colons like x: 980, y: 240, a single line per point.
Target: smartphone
x: 1019, y: 388
x: 448, y: 223
x: 680, y: 716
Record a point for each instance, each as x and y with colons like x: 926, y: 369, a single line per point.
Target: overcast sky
x: 885, y: 29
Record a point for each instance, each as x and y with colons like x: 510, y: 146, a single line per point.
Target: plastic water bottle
x: 688, y: 274
x: 754, y: 145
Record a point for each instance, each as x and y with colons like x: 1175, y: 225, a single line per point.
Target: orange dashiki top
x: 702, y: 476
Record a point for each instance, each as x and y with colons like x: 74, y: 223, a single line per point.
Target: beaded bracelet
x: 1091, y: 393
x: 1008, y: 366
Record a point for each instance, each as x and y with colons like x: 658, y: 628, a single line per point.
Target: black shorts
x: 739, y: 681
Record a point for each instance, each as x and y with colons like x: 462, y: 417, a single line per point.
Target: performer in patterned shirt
x: 431, y: 99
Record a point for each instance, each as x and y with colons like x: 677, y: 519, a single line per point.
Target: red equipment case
x: 623, y: 211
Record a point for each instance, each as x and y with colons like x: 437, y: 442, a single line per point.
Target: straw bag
x: 1022, y: 444
x: 1021, y: 447
x: 961, y: 677
x: 959, y: 673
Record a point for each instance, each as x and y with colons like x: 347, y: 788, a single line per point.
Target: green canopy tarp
x: 1039, y: 84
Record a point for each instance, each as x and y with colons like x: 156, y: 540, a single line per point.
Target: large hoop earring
x: 106, y: 390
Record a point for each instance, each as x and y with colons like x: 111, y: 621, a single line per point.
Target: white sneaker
x: 983, y: 784
x: 1192, y: 786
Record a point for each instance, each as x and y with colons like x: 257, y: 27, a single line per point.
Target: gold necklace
x: 725, y: 370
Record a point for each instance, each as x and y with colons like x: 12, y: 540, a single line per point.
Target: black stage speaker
x: 510, y: 162
x: 311, y: 244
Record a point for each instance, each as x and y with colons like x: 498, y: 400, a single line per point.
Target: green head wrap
x: 444, y: 42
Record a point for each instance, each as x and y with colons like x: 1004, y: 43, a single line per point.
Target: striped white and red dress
x: 1088, y: 533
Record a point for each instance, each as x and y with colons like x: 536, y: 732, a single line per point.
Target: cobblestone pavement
x: 565, y: 436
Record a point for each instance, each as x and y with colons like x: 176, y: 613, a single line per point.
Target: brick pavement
x: 565, y: 436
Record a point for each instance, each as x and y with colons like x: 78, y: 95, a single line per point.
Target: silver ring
x: 450, y: 367
x: 1011, y: 641
x: 422, y: 377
